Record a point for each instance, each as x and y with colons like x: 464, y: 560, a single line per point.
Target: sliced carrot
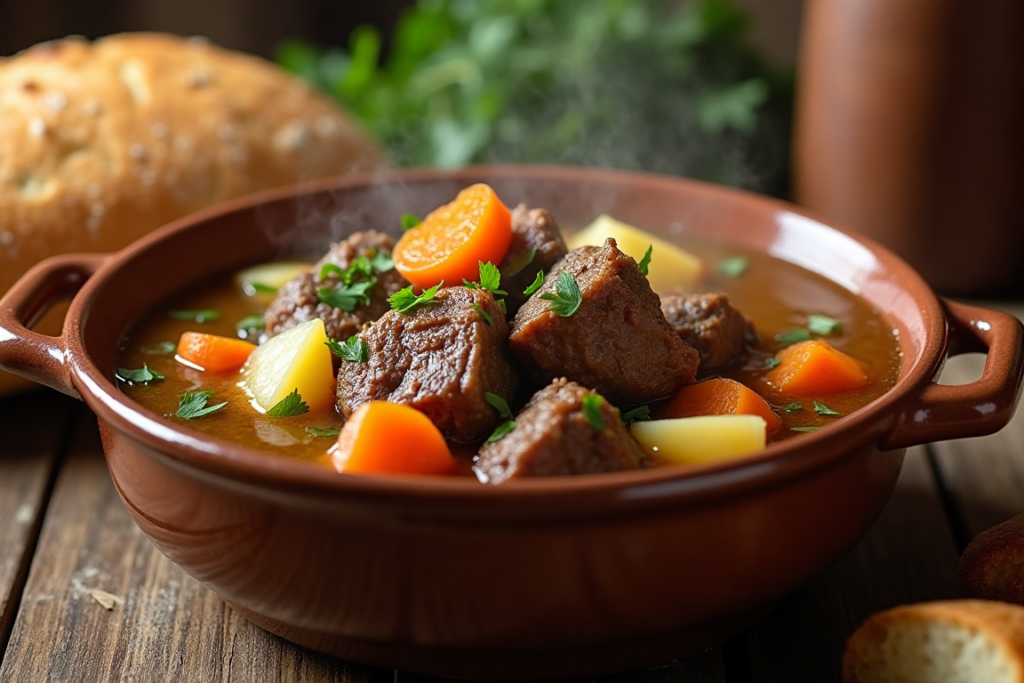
x: 382, y: 437
x: 214, y: 353
x: 815, y: 367
x: 720, y: 396
x: 451, y: 241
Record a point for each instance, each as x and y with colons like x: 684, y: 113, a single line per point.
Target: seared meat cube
x: 708, y: 323
x: 617, y: 342
x: 440, y: 359
x: 298, y: 301
x: 531, y: 229
x: 554, y: 437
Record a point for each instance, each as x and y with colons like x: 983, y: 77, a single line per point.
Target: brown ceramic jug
x: 910, y: 129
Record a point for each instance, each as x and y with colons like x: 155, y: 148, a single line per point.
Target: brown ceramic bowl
x: 544, y: 578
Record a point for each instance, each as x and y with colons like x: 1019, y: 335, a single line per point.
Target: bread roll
x: 992, y: 567
x: 958, y: 641
x: 102, y: 142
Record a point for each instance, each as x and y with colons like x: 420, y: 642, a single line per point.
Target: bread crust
x: 102, y: 142
x: 992, y: 566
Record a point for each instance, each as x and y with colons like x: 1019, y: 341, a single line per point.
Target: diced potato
x: 295, y: 359
x: 670, y: 267
x: 702, y: 439
x: 263, y: 281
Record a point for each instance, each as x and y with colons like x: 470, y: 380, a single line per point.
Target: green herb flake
x: 499, y: 404
x: 638, y: 414
x: 160, y: 348
x: 823, y: 325
x: 483, y: 314
x: 251, y: 322
x: 592, y: 410
x: 260, y: 288
x: 193, y: 405
x: 501, y: 430
x: 812, y: 428
x: 202, y: 316
x: 772, y: 362
x: 347, y: 297
x: 793, y: 336
x: 501, y: 305
x: 537, y: 283
x: 645, y: 262
x: 567, y: 297
x: 822, y: 409
x: 405, y: 302
x: 323, y: 431
x: 518, y: 262
x: 329, y: 269
x: 289, y: 406
x: 352, y: 349
x: 141, y: 376
x: 382, y: 262
x: 410, y: 221
x: 733, y: 267
x: 792, y: 407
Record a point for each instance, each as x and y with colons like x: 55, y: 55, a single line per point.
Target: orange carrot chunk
x: 382, y: 438
x: 214, y: 353
x: 720, y: 396
x: 451, y: 241
x: 813, y: 368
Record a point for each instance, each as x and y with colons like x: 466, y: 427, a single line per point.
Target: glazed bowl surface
x: 544, y: 578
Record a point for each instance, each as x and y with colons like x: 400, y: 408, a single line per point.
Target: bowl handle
x: 40, y: 357
x: 983, y: 407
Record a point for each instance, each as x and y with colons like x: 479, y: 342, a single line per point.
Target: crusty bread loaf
x: 102, y: 142
x: 992, y: 566
x: 957, y: 641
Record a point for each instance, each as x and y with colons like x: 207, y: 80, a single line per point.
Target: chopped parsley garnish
x: 537, y: 283
x: 823, y: 325
x: 772, y: 362
x: 812, y: 428
x: 645, y: 262
x: 289, y: 406
x: 501, y: 430
x: 202, y: 316
x: 382, y: 262
x: 519, y: 261
x: 793, y: 336
x: 251, y: 322
x: 347, y: 297
x: 501, y: 305
x: 260, y: 288
x: 592, y: 410
x: 490, y: 279
x: 733, y: 267
x: 638, y: 414
x: 323, y: 431
x: 359, y: 268
x: 501, y: 405
x: 352, y: 349
x: 193, y: 405
x: 329, y: 269
x: 792, y: 407
x: 141, y: 376
x: 483, y: 314
x: 566, y: 298
x: 160, y: 348
x: 410, y: 221
x: 822, y: 409
x: 405, y: 302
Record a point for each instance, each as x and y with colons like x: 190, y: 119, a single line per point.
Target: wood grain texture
x: 908, y: 556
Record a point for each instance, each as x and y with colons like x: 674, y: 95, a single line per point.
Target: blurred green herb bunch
x: 647, y: 84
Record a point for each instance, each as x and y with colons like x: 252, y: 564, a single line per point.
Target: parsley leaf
x: 193, y: 405
x: 733, y: 267
x: 501, y: 430
x: 260, y: 288
x: 352, y: 349
x: 638, y: 414
x: 823, y: 325
x: 518, y: 262
x: 323, y: 431
x: 812, y: 428
x: 772, y: 362
x: 537, y: 283
x: 793, y: 336
x: 823, y: 409
x: 499, y: 404
x: 382, y: 262
x: 202, y: 316
x: 410, y: 221
x: 483, y: 314
x: 490, y: 279
x: 251, y: 322
x: 160, y: 348
x: 792, y: 407
x: 329, y: 269
x: 567, y: 296
x: 405, y: 302
x: 141, y: 376
x: 289, y: 406
x: 645, y: 262
x: 347, y: 297
x: 592, y: 410
x: 358, y: 268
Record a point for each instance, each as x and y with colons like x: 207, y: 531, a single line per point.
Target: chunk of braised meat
x: 710, y: 324
x: 617, y: 342
x: 298, y: 301
x: 553, y: 437
x: 536, y: 230
x: 440, y: 359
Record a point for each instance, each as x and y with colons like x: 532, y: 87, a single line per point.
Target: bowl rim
x: 578, y: 494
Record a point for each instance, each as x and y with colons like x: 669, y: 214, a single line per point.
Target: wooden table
x: 64, y: 534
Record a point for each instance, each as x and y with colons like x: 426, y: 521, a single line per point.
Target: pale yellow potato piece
x: 295, y: 359
x: 272, y: 275
x: 702, y: 439
x: 670, y: 266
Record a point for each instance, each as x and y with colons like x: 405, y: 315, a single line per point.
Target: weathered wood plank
x: 165, y: 627
x: 908, y: 556
x: 31, y: 428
